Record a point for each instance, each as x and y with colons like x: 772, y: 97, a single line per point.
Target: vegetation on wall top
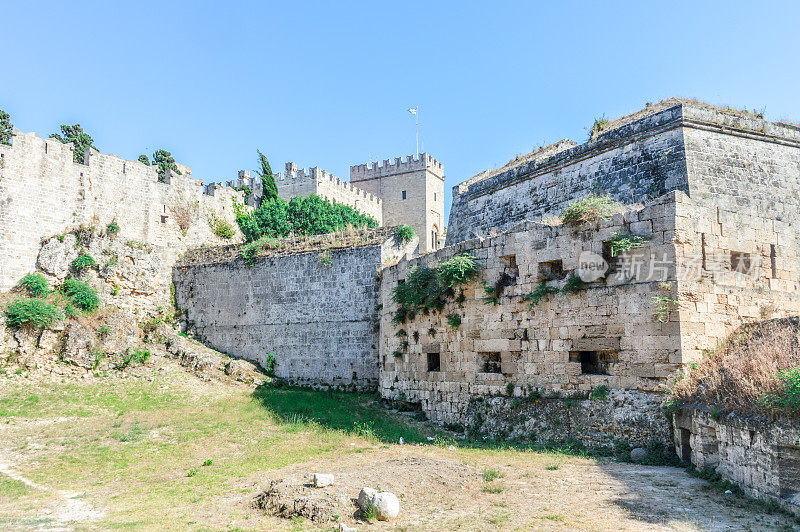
x: 592, y: 208
x: 164, y: 160
x: 5, y: 128
x: 80, y: 140
x: 311, y: 215
x: 403, y: 234
x: 144, y: 159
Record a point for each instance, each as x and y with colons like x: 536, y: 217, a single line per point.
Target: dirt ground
x: 178, y: 453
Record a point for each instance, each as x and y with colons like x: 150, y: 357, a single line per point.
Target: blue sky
x: 328, y: 84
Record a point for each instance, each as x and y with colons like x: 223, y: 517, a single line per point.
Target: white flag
x: 412, y: 110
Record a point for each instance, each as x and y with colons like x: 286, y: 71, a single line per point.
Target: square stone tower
x: 412, y: 191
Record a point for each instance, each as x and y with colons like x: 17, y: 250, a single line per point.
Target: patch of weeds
x: 598, y: 126
x: 490, y: 475
x: 35, y: 285
x: 325, y: 259
x: 208, y: 462
x: 81, y: 294
x: 510, y: 389
x: 103, y: 331
x: 253, y: 249
x: 621, y: 242
x: 539, y: 293
x: 663, y: 306
x: 82, y: 262
x: 115, y: 289
x: 397, y: 353
x: 600, y: 393
x: 270, y: 362
x: 400, y: 333
x: 492, y: 488
x: 499, y: 518
x: 134, y: 356
x: 220, y: 226
x: 112, y: 228
x: 592, y: 208
x: 33, y: 312
x: 370, y: 514
x: 192, y: 472
x: 574, y: 284
x: 97, y: 356
x: 403, y: 234
x: 454, y: 320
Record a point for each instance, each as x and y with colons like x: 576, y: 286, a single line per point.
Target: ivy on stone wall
x: 164, y: 160
x: 311, y: 215
x: 268, y: 186
x: 80, y: 140
x: 5, y: 128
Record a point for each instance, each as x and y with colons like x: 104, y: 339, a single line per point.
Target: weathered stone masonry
x: 315, y: 310
x: 44, y: 193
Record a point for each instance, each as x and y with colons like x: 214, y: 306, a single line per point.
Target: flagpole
x: 416, y: 116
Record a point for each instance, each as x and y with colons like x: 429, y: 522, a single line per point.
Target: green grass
x: 490, y: 475
x: 13, y: 488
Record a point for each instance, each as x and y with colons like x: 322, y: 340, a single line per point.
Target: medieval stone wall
x: 761, y: 458
x: 313, y: 309
x: 302, y: 182
x: 604, y: 335
x: 44, y: 193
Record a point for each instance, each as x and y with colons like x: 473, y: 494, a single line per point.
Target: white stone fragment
x: 322, y: 479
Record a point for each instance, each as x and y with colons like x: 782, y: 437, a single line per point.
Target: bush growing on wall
x: 5, y: 128
x: 81, y: 294
x: 311, y: 215
x: 164, y: 160
x: 35, y: 285
x: 32, y: 312
x: 80, y: 140
x: 144, y: 159
x: 403, y: 234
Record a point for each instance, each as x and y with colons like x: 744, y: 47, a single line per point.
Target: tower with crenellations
x: 412, y: 191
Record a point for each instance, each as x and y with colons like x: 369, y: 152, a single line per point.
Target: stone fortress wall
x: 718, y: 154
x: 314, y: 308
x: 44, y: 193
x: 412, y: 191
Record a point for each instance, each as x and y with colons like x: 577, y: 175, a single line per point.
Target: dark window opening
x: 686, y: 446
x: 434, y: 196
x: 404, y: 194
x: 510, y: 265
x: 741, y: 262
x: 594, y: 362
x: 551, y: 270
x: 703, y: 250
x: 163, y: 219
x: 434, y: 362
x: 490, y: 363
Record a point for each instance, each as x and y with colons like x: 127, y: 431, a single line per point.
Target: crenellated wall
x: 44, y: 193
x: 302, y: 182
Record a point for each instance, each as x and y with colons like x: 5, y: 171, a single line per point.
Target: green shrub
x: 458, y: 270
x: 622, y: 242
x: 325, y: 259
x: 35, y: 285
x: 80, y: 140
x: 34, y: 312
x: 164, y: 160
x: 539, y: 293
x: 81, y: 294
x: 5, y: 128
x: 220, y: 226
x: 70, y: 311
x: 83, y: 261
x: 590, y: 209
x: 403, y: 234
x: 112, y: 228
x: 598, y: 126
x: 269, y: 190
x: 454, y: 320
x: 269, y: 364
x: 311, y: 215
x: 104, y: 331
x: 134, y: 356
x: 144, y: 159
x: 787, y: 398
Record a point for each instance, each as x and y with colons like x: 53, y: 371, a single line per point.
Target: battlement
x: 324, y: 181
x: 412, y: 163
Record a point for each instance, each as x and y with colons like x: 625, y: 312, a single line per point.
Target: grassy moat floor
x: 179, y: 453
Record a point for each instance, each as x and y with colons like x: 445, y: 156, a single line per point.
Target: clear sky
x: 328, y: 84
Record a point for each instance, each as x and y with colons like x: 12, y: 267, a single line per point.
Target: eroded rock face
x: 79, y: 343
x: 57, y: 254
